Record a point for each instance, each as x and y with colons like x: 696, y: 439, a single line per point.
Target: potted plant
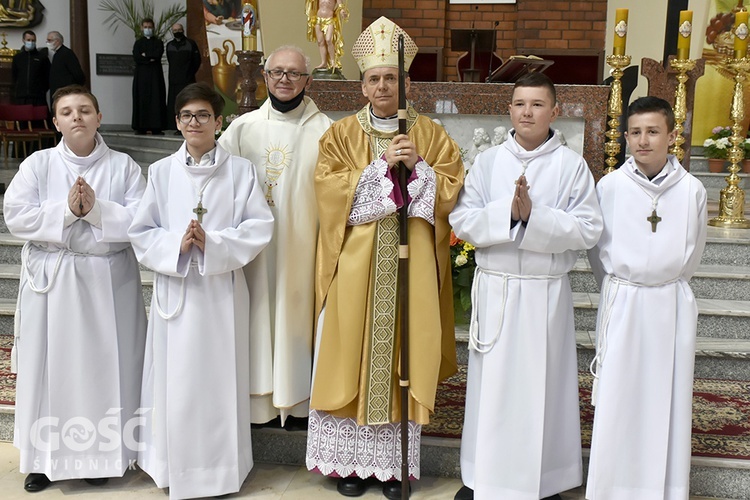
x: 463, y: 265
x: 716, y: 148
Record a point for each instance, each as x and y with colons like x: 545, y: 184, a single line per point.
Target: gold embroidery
x: 382, y: 329
x: 277, y: 159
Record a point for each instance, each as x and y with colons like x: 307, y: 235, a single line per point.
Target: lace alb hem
x: 371, y: 199
x: 422, y: 191
x: 340, y: 446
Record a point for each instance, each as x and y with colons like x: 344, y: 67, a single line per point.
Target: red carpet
x: 721, y: 414
x: 721, y: 410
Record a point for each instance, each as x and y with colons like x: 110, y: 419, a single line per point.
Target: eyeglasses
x: 202, y: 118
x: 278, y: 74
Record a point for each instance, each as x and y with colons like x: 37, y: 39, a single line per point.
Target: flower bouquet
x: 463, y: 265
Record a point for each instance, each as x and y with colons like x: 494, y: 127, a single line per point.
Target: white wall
x: 114, y: 93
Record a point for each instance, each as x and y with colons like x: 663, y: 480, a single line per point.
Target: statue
x: 480, y: 142
x: 501, y: 133
x: 324, y: 19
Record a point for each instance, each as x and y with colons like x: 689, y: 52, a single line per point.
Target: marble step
x: 725, y: 319
x: 167, y: 143
x: 711, y: 281
x: 714, y: 357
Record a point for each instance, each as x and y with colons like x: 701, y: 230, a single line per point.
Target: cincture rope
x: 610, y: 286
x: 474, y: 342
x: 180, y: 303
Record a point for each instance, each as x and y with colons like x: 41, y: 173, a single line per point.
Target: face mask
x: 178, y: 35
x: 148, y: 32
x: 29, y: 45
x: 50, y: 46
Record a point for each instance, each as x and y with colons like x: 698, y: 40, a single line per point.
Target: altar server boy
x: 528, y: 205
x: 654, y: 235
x: 80, y: 321
x: 202, y: 218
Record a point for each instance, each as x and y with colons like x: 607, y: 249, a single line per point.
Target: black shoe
x: 392, y: 490
x: 295, y: 424
x: 157, y: 132
x: 465, y: 493
x: 140, y: 132
x: 351, y: 486
x: 177, y: 132
x: 273, y: 423
x: 36, y: 482
x: 97, y: 481
x: 553, y: 497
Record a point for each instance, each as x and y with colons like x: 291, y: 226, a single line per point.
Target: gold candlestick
x: 682, y: 66
x: 614, y: 109
x: 732, y: 198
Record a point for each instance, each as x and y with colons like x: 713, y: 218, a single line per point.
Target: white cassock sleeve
x: 226, y: 249
x: 26, y: 215
x: 477, y: 218
x: 232, y: 248
x: 575, y: 227
x: 115, y: 217
x: 696, y: 234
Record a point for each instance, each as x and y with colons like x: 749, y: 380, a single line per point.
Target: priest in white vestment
x: 654, y: 236
x: 355, y: 409
x: 80, y: 322
x: 281, y: 139
x: 202, y: 218
x: 528, y: 206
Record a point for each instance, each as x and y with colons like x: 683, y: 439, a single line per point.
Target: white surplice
x: 646, y: 332
x: 284, y: 146
x: 521, y: 435
x: 196, y: 370
x: 80, y: 322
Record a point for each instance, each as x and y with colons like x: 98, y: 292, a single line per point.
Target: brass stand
x: 614, y: 109
x: 249, y: 61
x: 732, y: 199
x: 682, y: 66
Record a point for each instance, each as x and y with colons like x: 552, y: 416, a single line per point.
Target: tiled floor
x: 266, y: 482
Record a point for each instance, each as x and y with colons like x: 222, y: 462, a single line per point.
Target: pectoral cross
x: 199, y: 210
x: 654, y: 220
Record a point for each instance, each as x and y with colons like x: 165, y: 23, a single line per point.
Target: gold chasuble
x: 356, y: 374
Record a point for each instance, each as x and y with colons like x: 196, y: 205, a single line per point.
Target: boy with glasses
x: 203, y: 216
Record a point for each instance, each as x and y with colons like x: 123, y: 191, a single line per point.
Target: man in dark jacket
x: 149, y: 90
x: 30, y: 73
x: 184, y: 60
x: 64, y: 66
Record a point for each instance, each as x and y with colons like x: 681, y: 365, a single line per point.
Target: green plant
x: 718, y: 145
x: 462, y: 272
x: 131, y: 12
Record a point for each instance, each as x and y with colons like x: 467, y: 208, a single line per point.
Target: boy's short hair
x: 147, y: 20
x: 536, y: 79
x: 73, y: 90
x: 651, y: 104
x: 27, y: 32
x: 199, y: 92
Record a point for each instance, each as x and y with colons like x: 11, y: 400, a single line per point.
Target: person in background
x: 149, y: 91
x: 64, y: 66
x: 184, y: 60
x: 30, y: 73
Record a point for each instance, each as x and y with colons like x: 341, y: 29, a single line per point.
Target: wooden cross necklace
x: 654, y: 218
